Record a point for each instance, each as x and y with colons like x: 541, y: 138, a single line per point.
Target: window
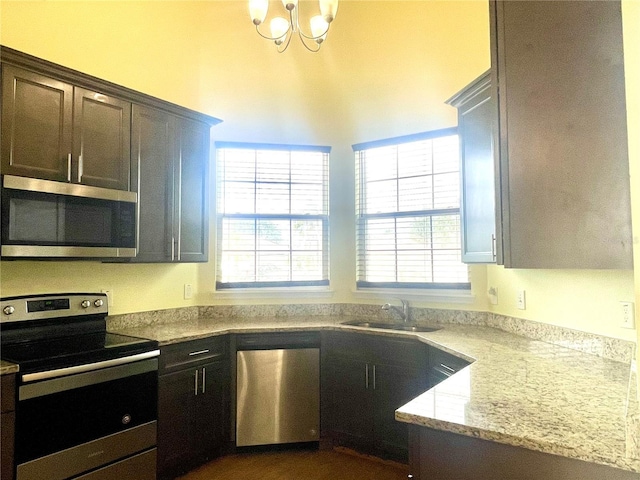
x: 408, y: 212
x: 272, y: 215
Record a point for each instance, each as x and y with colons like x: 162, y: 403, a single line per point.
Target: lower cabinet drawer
x: 183, y: 355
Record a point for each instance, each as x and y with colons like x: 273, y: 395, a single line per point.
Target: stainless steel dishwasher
x: 277, y: 388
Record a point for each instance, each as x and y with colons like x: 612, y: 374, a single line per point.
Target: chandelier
x: 282, y: 29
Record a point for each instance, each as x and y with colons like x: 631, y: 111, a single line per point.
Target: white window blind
x: 408, y: 212
x: 273, y: 215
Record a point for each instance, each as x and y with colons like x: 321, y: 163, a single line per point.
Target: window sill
x: 288, y: 292
x: 427, y: 296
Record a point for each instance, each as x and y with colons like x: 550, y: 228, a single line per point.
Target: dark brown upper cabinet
x: 102, y: 131
x: 36, y: 125
x: 476, y: 118
x: 54, y: 130
x: 63, y: 125
x: 172, y: 157
x: 562, y: 160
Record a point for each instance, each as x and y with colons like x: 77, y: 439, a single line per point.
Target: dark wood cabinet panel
x: 439, y: 455
x: 170, y: 173
x: 366, y: 378
x: 476, y: 118
x: 193, y: 404
x: 193, y: 211
x: 394, y: 386
x: 351, y: 404
x: 7, y: 425
x: 102, y: 132
x: 153, y: 150
x: 36, y: 125
x: 558, y: 79
x: 177, y: 415
x: 53, y: 130
x: 213, y: 409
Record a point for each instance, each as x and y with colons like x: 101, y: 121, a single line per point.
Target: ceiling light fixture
x: 282, y: 29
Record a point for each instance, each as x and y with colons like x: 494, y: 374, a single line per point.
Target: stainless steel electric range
x: 86, y: 399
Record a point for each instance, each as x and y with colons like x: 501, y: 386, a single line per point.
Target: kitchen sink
x: 391, y: 326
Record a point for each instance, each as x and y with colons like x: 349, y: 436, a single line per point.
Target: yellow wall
x: 631, y: 30
x: 385, y: 70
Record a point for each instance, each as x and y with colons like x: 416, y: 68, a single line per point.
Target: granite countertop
x: 7, y: 367
x: 517, y: 391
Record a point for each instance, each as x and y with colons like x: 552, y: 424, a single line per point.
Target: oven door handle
x: 79, y: 380
x: 87, y: 367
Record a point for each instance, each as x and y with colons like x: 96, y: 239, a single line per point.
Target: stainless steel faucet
x: 404, y: 312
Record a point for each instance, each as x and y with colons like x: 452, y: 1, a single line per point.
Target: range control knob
x: 98, y: 303
x: 9, y: 309
x: 85, y: 304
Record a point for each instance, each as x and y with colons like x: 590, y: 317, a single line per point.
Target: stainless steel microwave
x: 45, y: 219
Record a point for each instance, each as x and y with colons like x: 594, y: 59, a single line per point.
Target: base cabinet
x: 7, y: 426
x: 365, y: 379
x: 193, y: 404
x: 438, y: 455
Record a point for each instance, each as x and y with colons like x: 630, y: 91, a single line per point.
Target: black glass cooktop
x: 63, y: 352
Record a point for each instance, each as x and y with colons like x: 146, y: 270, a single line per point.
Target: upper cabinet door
x: 36, y: 125
x: 564, y: 167
x: 102, y: 139
x: 192, y: 196
x: 153, y: 152
x: 476, y: 113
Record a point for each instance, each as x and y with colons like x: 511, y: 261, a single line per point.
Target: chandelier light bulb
x: 328, y: 9
x: 319, y: 27
x: 258, y: 10
x: 279, y: 29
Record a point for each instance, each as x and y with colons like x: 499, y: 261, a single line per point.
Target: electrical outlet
x: 109, y: 293
x: 521, y: 300
x: 188, y: 291
x: 493, y: 295
x: 627, y: 318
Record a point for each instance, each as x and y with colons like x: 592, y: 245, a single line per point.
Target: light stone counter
x: 7, y: 368
x: 517, y: 391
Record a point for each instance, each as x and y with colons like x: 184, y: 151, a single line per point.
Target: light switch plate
x: 188, y: 291
x: 627, y: 318
x: 521, y: 300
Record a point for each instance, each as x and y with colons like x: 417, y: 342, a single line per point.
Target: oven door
x: 95, y: 420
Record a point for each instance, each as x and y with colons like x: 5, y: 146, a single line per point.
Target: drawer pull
x: 366, y: 376
x: 199, y: 352
x: 447, y: 368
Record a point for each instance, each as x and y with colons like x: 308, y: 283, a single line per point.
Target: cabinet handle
x: 196, y: 385
x: 69, y: 168
x: 199, y: 352
x: 366, y: 376
x: 493, y: 246
x: 80, y: 168
x: 447, y: 368
x: 204, y: 376
x: 374, y: 377
x: 173, y: 248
